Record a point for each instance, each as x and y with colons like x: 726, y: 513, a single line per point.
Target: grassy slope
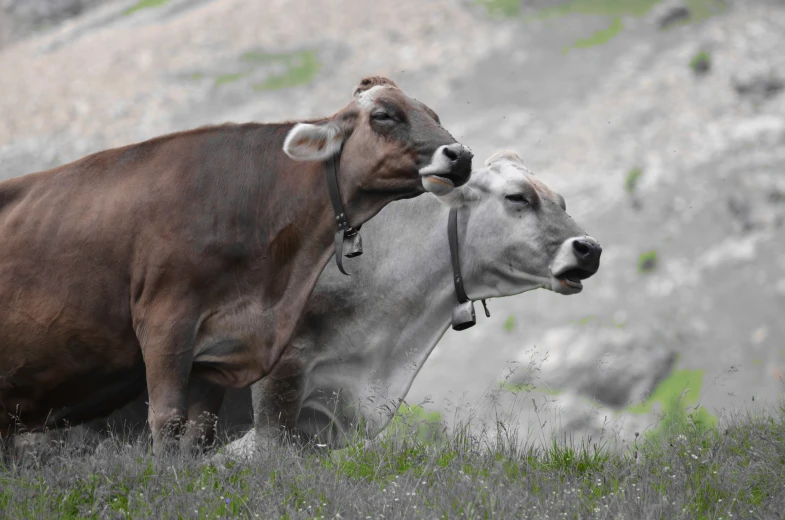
x: 736, y: 471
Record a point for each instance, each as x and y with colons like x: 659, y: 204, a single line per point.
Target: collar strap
x: 463, y: 315
x: 346, y: 235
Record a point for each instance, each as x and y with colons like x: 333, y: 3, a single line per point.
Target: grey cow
x: 364, y: 338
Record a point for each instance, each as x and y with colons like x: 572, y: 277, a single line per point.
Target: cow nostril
x: 583, y: 249
x: 450, y: 154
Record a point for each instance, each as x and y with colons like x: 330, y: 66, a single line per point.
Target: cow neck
x: 463, y: 315
x: 346, y: 235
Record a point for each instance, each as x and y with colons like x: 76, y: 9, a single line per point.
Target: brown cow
x: 184, y: 262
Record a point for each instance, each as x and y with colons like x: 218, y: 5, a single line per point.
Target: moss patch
x: 145, y: 4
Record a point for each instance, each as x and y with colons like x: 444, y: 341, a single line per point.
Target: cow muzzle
x: 578, y: 258
x: 450, y: 167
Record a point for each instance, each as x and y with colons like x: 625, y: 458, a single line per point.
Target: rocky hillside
x: 662, y: 124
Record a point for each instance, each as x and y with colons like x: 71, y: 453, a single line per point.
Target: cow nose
x: 460, y: 158
x: 588, y: 252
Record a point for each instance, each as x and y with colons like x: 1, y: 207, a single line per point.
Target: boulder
x: 612, y: 365
x: 669, y: 13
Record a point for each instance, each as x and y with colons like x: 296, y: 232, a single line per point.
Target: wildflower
x: 227, y: 500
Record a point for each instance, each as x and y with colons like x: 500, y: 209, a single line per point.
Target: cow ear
x: 314, y: 142
x: 504, y: 156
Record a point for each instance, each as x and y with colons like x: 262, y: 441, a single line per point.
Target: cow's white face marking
x: 367, y: 98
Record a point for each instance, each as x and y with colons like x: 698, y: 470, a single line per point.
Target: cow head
x: 389, y: 144
x: 518, y: 235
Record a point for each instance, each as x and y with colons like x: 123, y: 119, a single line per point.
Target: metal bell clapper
x: 352, y: 245
x: 463, y: 316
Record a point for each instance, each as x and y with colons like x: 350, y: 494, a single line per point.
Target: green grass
x: 471, y: 472
x: 505, y: 8
x: 527, y: 388
x: 225, y: 79
x: 647, y: 262
x: 615, y: 8
x: 701, y: 63
x: 145, y: 4
x: 599, y: 322
x: 632, y: 179
x: 702, y: 9
x: 677, y: 396
x: 602, y: 36
x: 301, y: 69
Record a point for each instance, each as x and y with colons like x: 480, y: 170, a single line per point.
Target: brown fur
x: 182, y: 262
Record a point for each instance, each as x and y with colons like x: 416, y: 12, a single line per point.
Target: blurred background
x: 661, y: 122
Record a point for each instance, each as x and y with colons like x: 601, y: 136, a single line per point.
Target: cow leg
x: 204, y: 403
x: 167, y: 348
x: 276, y: 406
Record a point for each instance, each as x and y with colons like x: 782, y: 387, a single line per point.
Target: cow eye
x: 381, y: 116
x: 518, y: 198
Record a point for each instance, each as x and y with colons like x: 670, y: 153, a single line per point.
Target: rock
x: 667, y: 14
x: 758, y: 85
x: 18, y: 18
x: 613, y: 366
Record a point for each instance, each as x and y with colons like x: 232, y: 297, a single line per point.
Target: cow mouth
x: 572, y: 278
x: 448, y: 179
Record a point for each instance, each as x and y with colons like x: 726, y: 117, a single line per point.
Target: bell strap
x: 463, y: 314
x: 345, y: 233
